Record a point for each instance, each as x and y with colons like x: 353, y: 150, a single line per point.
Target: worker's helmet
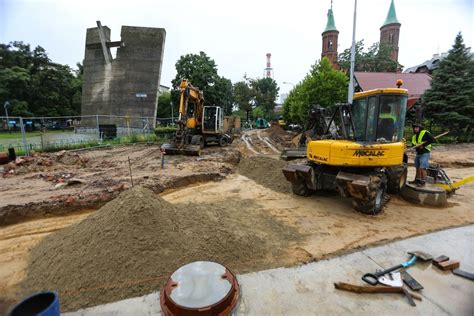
x: 417, y: 125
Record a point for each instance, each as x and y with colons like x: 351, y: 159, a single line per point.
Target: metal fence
x: 52, y: 133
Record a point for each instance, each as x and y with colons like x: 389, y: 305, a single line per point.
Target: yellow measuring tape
x: 455, y: 185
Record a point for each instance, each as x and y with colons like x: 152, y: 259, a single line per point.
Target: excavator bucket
x: 188, y: 150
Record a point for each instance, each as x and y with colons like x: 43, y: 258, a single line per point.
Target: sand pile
x: 276, y: 130
x: 280, y: 136
x: 265, y: 171
x: 134, y: 242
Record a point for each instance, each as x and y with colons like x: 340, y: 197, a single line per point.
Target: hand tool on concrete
x: 372, y: 278
x: 360, y: 289
x: 409, y: 297
x: 448, y: 265
x: 392, y: 279
x: 421, y: 255
x: 464, y: 274
x: 410, y: 281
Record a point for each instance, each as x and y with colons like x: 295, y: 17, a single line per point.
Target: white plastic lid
x: 200, y: 284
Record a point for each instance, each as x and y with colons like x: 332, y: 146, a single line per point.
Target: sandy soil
x: 328, y: 223
x: 16, y: 241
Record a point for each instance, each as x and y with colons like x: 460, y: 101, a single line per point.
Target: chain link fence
x: 26, y: 134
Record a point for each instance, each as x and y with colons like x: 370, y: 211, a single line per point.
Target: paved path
x: 309, y: 290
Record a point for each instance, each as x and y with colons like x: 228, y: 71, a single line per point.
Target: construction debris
x: 464, y: 274
x: 134, y: 242
x: 448, y: 265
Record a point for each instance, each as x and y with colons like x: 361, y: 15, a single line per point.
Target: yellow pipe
x: 455, y: 185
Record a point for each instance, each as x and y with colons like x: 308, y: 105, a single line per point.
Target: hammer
x: 373, y: 278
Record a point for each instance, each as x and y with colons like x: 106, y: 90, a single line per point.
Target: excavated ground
x: 139, y: 236
x: 324, y: 225
x: 41, y: 185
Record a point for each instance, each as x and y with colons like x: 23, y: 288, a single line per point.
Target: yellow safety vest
x: 415, y: 142
x: 388, y: 115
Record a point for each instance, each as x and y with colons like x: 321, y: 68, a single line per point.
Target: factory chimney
x: 268, y: 71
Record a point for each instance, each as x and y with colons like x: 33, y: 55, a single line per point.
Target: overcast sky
x: 238, y: 34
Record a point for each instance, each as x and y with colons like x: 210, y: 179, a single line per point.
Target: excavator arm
x: 191, y: 103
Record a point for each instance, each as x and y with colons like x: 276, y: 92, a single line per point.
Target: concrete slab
x: 309, y: 289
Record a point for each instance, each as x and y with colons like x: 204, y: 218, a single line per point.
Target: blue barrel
x: 39, y: 304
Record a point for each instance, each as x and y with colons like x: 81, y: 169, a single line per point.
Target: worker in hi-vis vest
x: 421, y: 136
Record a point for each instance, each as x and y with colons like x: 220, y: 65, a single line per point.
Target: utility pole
x: 172, y: 114
x: 350, y: 91
x: 5, y: 106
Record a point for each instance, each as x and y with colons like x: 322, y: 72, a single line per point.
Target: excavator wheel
x: 300, y: 188
x: 376, y: 196
x: 396, y: 178
x: 223, y: 141
x: 198, y: 140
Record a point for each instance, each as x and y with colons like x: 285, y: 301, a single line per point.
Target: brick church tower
x: 390, y: 31
x: 330, y: 36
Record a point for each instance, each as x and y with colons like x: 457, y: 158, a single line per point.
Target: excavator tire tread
x: 373, y: 205
x: 396, y: 178
x: 300, y: 188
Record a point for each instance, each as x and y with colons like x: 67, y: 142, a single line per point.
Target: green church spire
x: 331, y: 25
x: 391, y: 16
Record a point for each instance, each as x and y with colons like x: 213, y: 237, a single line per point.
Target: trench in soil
x: 328, y: 223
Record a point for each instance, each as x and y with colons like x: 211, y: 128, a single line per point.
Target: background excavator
x: 197, y: 125
x: 359, y: 152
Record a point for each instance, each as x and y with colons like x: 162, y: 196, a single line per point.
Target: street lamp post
x: 172, y: 114
x: 350, y: 91
x: 5, y: 106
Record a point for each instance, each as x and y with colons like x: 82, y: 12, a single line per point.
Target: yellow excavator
x: 360, y: 153
x: 197, y: 125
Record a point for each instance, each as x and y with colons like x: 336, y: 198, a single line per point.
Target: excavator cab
x: 213, y: 121
x: 379, y: 115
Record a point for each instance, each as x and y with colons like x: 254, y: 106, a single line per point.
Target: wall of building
x: 111, y: 89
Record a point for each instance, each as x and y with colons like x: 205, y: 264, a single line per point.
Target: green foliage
x: 220, y: 94
x: 164, y: 105
x: 265, y: 91
x: 243, y: 97
x: 323, y: 85
x: 256, y: 95
x: 161, y: 130
x: 201, y: 71
x: 450, y: 101
x: 258, y: 112
x: 375, y: 59
x: 36, y: 86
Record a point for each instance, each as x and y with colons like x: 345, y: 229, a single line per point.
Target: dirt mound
x: 276, y: 130
x: 265, y: 171
x: 279, y: 136
x: 130, y: 246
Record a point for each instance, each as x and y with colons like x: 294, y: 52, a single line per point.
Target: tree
x: 265, y: 92
x: 220, y: 94
x: 377, y: 58
x: 164, y: 105
x: 36, y: 86
x: 243, y: 97
x: 323, y: 85
x: 450, y: 100
x: 201, y: 71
